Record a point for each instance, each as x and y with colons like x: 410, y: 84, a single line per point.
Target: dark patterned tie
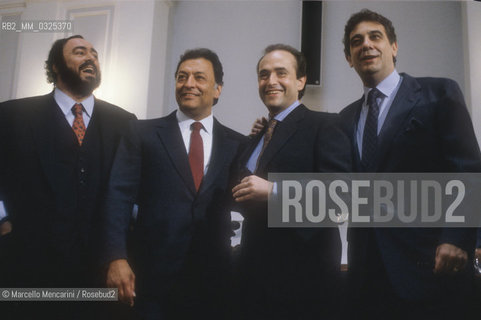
x: 196, y: 154
x: 78, y: 125
x: 369, y: 139
x: 267, y: 138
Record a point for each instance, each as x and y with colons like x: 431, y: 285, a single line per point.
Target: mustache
x: 189, y: 92
x: 88, y: 64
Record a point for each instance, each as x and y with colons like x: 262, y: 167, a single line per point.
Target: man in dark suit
x: 406, y: 125
x: 57, y: 152
x: 176, y: 170
x: 287, y: 273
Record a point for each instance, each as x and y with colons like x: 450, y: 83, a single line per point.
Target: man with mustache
x: 287, y: 273
x: 406, y: 124
x: 57, y: 151
x: 176, y: 170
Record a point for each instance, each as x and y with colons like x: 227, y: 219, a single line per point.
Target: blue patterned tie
x: 369, y: 138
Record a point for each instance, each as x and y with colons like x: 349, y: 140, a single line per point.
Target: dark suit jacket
x: 52, y: 240
x: 290, y: 264
x: 427, y: 129
x: 175, y: 225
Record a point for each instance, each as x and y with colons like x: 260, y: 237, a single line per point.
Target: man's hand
x: 120, y: 276
x: 449, y: 259
x: 252, y: 188
x: 5, y: 228
x: 258, y: 125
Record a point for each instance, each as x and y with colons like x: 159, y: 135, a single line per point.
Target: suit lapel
x: 406, y: 98
x: 283, y: 131
x: 42, y: 119
x: 171, y: 138
x: 352, y: 117
x: 247, y: 152
x: 222, y: 148
x: 107, y: 133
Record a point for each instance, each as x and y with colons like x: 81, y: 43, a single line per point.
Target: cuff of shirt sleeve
x: 3, y: 211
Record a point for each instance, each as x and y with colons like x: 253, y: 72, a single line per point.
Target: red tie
x: 196, y: 154
x: 78, y: 125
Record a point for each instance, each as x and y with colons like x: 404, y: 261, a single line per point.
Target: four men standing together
x: 74, y: 167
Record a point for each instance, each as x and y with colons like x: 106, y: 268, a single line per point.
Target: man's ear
x: 349, y: 60
x: 301, y: 83
x: 218, y: 90
x: 394, y: 49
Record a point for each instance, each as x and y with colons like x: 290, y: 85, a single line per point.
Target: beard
x: 75, y: 83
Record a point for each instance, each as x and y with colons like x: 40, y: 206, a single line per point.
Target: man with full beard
x: 57, y: 151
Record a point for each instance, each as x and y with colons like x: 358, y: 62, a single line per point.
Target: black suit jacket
x: 427, y: 129
x: 51, y: 240
x: 290, y: 264
x: 175, y: 224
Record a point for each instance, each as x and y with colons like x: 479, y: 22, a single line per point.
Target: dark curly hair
x: 55, y: 57
x: 367, y: 15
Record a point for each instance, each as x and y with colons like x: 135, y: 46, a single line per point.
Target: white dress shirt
x: 66, y: 103
x: 3, y: 212
x: 206, y: 133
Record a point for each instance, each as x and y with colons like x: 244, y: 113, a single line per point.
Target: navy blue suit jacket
x: 289, y: 264
x: 427, y: 129
x: 174, y: 222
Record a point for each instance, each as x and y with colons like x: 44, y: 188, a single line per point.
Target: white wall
x: 159, y: 80
x: 125, y: 33
x: 127, y: 81
x: 32, y: 52
x: 472, y: 14
x: 8, y: 53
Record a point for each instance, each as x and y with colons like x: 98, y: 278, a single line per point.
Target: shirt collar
x: 282, y: 115
x: 185, y: 122
x: 66, y: 103
x: 387, y: 86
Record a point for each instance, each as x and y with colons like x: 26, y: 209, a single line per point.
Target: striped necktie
x: 369, y: 139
